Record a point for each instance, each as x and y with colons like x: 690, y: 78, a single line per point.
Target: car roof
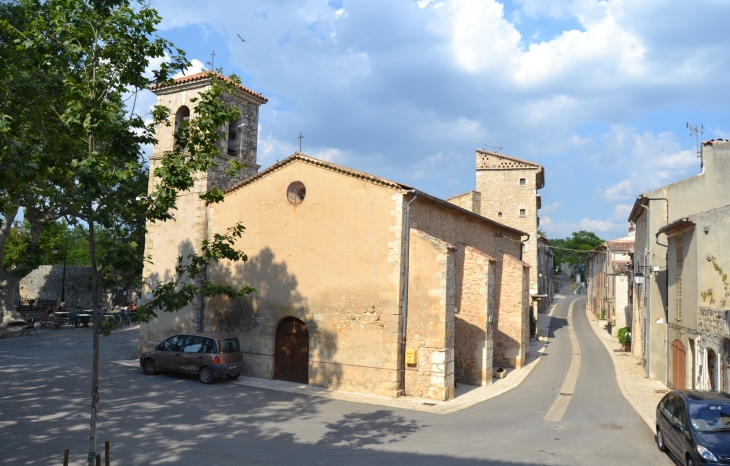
x: 214, y: 335
x: 697, y: 395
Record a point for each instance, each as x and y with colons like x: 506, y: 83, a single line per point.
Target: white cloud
x: 550, y: 209
x: 596, y: 101
x: 650, y: 161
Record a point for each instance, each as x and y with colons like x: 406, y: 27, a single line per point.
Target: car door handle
x: 178, y: 354
x: 200, y: 357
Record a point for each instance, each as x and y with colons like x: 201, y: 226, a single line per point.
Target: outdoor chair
x: 29, y: 326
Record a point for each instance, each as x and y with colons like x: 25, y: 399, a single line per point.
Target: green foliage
x: 603, y: 313
x: 710, y: 295
x: 569, y: 249
x: 191, y: 279
x: 624, y: 335
x: 72, y: 148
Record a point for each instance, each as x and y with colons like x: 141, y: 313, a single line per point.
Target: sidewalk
x: 466, y: 395
x: 643, y: 394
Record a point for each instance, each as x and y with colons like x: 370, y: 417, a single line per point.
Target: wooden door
x: 291, y: 354
x: 679, y: 365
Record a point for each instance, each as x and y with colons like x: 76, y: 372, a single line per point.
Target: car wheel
x: 660, y: 440
x: 234, y: 376
x: 148, y: 366
x: 206, y: 375
x: 690, y: 462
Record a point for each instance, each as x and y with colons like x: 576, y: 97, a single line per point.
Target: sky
x: 598, y: 92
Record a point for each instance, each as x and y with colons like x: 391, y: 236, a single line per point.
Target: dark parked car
x: 208, y: 355
x: 695, y: 426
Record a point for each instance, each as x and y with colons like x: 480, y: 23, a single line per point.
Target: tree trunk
x: 8, y: 314
x: 8, y: 279
x: 95, y: 330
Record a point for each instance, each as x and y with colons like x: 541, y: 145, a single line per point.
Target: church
x: 363, y: 284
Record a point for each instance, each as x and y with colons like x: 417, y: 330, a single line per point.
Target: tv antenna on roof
x: 496, y: 148
x: 212, y: 60
x: 697, y: 130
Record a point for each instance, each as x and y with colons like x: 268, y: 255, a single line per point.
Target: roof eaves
x: 467, y: 212
x: 202, y: 76
x: 678, y: 224
x: 509, y: 157
x: 321, y: 163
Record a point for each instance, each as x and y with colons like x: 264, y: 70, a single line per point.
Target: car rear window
x: 230, y: 345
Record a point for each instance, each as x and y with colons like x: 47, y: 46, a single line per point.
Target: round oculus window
x: 295, y: 192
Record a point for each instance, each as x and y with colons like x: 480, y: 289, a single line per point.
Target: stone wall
x: 502, y: 198
x: 430, y: 327
x: 46, y: 282
x: 471, y: 201
x: 712, y: 321
x: 511, y: 338
x: 474, y: 306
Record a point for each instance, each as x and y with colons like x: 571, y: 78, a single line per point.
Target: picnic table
x: 82, y: 318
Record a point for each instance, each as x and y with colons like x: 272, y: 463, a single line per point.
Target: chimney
x: 632, y: 227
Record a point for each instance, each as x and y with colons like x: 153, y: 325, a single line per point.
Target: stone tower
x: 508, y: 188
x: 182, y: 236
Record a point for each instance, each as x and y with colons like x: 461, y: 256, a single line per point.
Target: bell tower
x: 165, y: 241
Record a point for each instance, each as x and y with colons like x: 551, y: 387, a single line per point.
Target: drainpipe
x: 647, y: 294
x: 404, y: 309
x: 666, y: 324
x: 522, y: 245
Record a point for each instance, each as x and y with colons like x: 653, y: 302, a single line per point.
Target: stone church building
x: 364, y: 284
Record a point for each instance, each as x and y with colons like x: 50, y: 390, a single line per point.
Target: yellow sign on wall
x: 410, y: 356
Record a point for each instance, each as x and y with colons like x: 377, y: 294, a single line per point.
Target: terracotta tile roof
x: 320, y: 163
x: 621, y: 266
x: 621, y: 246
x: 503, y: 161
x: 367, y: 177
x: 202, y: 76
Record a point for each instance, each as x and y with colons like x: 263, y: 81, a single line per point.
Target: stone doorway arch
x: 679, y: 365
x: 291, y: 351
x: 711, y: 370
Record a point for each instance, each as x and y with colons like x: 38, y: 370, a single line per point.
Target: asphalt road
x: 175, y: 420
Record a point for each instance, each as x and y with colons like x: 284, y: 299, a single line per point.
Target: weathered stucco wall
x: 333, y: 261
x: 511, y: 338
x: 430, y: 327
x: 473, y: 343
x: 184, y: 235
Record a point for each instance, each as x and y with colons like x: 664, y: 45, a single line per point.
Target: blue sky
x: 597, y: 92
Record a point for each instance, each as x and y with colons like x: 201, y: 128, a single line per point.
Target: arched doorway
x: 291, y: 353
x: 711, y: 370
x: 679, y: 365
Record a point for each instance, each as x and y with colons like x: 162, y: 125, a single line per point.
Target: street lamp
x: 639, y: 278
x: 63, y: 282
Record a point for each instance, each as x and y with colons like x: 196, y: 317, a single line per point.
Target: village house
x: 699, y: 299
x: 506, y: 190
x: 607, y: 277
x: 652, y: 211
x: 363, y: 284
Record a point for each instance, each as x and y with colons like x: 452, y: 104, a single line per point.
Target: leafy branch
x: 191, y: 279
x: 709, y: 294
